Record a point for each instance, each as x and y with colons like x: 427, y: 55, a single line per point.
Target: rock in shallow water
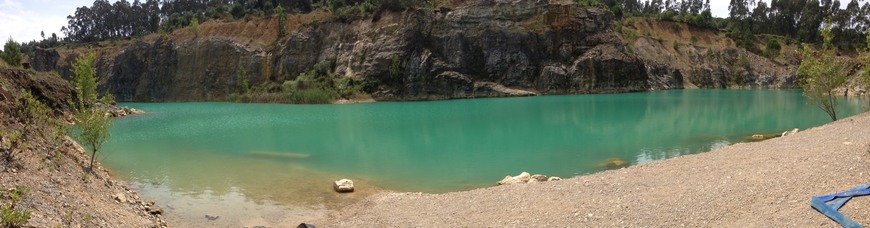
x: 792, y: 132
x: 522, y: 178
x: 154, y: 210
x: 539, y: 178
x: 343, y: 185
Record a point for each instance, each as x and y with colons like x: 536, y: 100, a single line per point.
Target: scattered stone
x: 154, y: 210
x: 522, y: 178
x: 539, y: 178
x: 792, y: 132
x: 304, y: 225
x: 758, y: 136
x: 554, y: 179
x: 120, y: 197
x: 212, y: 217
x: 343, y: 185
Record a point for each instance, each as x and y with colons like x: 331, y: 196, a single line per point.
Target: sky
x: 23, y: 20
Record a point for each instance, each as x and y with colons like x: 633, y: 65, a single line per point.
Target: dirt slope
x: 62, y: 192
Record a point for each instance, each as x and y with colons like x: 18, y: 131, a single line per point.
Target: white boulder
x: 343, y: 185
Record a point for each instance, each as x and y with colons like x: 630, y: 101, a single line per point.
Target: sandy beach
x: 767, y: 183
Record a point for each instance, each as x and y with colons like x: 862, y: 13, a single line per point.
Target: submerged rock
x: 612, y: 163
x: 343, y: 185
x: 761, y: 137
x: 154, y: 210
x: 212, y: 217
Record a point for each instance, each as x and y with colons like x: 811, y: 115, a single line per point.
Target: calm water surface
x: 253, y: 160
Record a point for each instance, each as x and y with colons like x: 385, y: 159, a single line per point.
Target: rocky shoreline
x: 48, y: 175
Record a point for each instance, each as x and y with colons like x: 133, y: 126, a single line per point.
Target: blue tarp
x: 829, y: 205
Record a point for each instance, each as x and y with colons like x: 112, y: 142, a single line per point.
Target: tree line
x: 123, y: 19
x: 799, y: 20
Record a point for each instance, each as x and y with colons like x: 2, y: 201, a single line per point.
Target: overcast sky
x: 24, y: 19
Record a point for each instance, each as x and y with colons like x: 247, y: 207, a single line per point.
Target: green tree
x: 194, y: 27
x: 821, y: 73
x: 92, y: 123
x: 865, y: 77
x: 11, y: 53
x: 282, y: 16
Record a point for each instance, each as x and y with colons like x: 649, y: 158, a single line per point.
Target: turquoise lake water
x: 289, y: 154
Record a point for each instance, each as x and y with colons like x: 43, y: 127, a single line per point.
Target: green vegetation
x: 772, y: 48
x: 395, y: 66
x: 694, y: 39
x: 821, y: 73
x: 317, y: 85
x: 743, y: 62
x: 242, y: 76
x: 11, y: 144
x: 865, y: 77
x: 194, y: 27
x: 13, y: 215
x: 92, y: 125
x: 282, y: 17
x: 122, y: 19
x: 11, y: 53
x: 34, y: 117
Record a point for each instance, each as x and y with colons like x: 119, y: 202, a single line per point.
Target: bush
x: 694, y: 39
x: 10, y: 215
x: 238, y: 11
x: 743, y: 62
x: 772, y: 48
x: 282, y: 17
x: 242, y: 76
x: 11, y: 53
x: 194, y: 27
x: 315, y: 95
x: 10, y: 144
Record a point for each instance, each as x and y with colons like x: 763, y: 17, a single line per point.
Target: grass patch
x: 311, y: 96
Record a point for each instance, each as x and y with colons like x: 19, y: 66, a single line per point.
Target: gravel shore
x: 758, y: 184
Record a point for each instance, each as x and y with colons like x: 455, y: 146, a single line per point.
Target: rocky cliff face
x: 483, y: 48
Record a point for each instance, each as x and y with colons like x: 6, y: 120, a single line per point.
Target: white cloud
x: 23, y: 20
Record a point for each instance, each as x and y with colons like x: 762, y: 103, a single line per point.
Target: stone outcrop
x: 693, y: 66
x: 480, y: 48
x: 525, y: 177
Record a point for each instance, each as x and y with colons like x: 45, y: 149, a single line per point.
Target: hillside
x: 470, y: 49
x: 46, y: 173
